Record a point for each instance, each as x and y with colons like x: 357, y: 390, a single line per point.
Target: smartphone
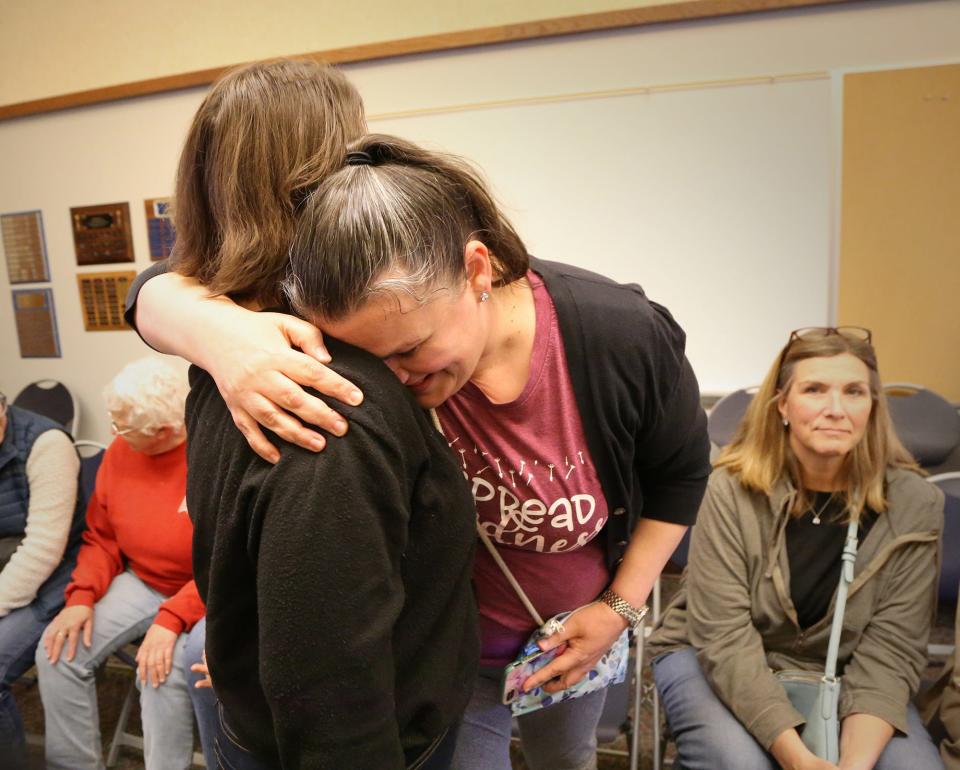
x: 516, y: 673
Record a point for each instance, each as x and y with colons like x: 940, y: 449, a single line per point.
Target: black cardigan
x: 341, y: 626
x: 638, y: 399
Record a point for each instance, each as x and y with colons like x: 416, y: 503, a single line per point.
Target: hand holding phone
x: 517, y: 672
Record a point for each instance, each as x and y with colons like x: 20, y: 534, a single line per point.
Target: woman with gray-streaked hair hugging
x: 133, y: 579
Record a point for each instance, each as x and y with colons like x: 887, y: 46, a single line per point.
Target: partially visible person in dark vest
x: 41, y: 520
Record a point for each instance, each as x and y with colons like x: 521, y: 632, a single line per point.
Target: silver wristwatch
x: 633, y: 615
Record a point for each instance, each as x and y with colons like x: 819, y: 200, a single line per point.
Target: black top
x: 814, y: 551
x: 341, y: 627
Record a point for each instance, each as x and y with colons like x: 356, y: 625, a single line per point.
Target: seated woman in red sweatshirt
x: 133, y: 578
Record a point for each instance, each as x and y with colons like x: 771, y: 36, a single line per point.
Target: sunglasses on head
x: 856, y: 333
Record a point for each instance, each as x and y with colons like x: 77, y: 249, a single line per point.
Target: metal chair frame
x: 942, y: 650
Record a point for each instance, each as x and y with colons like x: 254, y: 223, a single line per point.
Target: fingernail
x: 355, y: 397
x: 339, y: 427
x: 317, y: 444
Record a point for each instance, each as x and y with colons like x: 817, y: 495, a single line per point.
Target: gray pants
x: 69, y: 694
x: 560, y: 737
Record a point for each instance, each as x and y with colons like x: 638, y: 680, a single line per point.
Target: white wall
x: 719, y: 201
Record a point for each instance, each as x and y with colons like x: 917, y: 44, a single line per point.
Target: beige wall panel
x: 900, y: 225
x: 48, y: 43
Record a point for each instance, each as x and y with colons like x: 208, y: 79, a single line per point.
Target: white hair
x: 151, y: 393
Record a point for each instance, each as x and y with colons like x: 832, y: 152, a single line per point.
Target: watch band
x: 633, y: 615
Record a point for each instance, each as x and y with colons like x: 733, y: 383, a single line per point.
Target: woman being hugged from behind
x: 815, y: 449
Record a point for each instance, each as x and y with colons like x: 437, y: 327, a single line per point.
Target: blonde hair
x: 151, y: 392
x: 263, y: 137
x: 760, y: 453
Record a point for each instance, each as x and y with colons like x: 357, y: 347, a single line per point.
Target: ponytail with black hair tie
x: 359, y: 158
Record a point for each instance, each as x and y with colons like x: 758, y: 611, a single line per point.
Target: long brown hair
x: 400, y: 209
x: 265, y: 135
x: 760, y: 452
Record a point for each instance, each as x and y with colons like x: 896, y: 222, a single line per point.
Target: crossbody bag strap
x: 509, y: 575
x: 488, y: 543
x: 846, y: 578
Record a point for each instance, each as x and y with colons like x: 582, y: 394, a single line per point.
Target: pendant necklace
x: 818, y: 514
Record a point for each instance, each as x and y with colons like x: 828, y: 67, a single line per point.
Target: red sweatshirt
x: 136, y: 519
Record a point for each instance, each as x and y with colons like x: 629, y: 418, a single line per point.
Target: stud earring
x: 786, y: 423
x: 484, y: 296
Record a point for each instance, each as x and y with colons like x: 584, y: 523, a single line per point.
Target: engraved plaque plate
x: 36, y: 323
x: 101, y: 234
x: 25, y: 247
x: 159, y: 227
x: 101, y: 299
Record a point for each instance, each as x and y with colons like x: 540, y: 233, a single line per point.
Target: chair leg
x: 658, y: 741
x: 121, y: 727
x: 639, y: 638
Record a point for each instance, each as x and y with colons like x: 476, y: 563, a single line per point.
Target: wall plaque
x: 101, y: 299
x: 101, y: 234
x: 36, y: 323
x: 25, y: 247
x: 159, y: 227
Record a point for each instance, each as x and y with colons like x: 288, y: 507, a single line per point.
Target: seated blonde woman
x: 133, y: 578
x: 815, y: 449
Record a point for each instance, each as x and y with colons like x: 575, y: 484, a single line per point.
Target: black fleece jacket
x: 341, y: 626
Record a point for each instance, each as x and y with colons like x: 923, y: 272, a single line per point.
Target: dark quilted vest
x: 23, y: 429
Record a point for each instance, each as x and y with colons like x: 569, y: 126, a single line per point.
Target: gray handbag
x: 817, y: 696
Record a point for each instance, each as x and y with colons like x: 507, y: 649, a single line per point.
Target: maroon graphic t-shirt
x: 536, y: 490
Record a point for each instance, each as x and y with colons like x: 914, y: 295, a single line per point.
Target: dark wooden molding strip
x: 568, y: 25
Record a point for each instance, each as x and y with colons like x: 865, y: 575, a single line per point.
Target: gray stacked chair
x: 925, y: 421
x: 51, y: 399
x: 723, y: 419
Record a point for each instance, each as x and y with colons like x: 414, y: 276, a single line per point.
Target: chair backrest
x: 927, y: 424
x: 91, y: 455
x: 949, y: 484
x: 726, y: 414
x: 51, y: 399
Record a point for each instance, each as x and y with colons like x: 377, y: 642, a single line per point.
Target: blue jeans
x: 204, y: 699
x: 559, y: 737
x: 20, y: 631
x: 69, y: 694
x: 231, y: 754
x: 709, y: 736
